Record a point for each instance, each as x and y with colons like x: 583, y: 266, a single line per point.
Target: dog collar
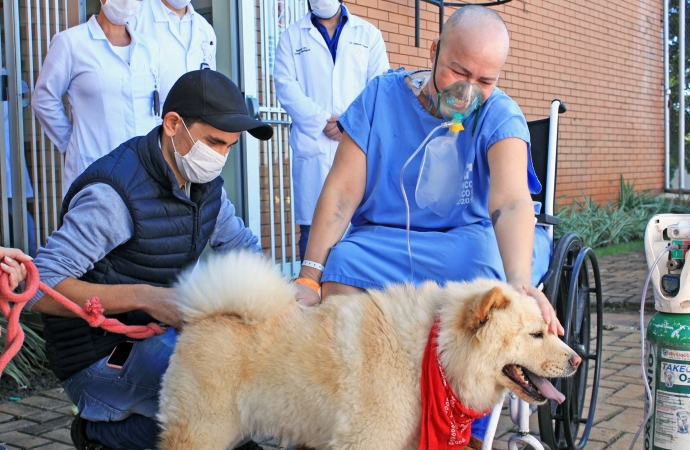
x: 446, y: 422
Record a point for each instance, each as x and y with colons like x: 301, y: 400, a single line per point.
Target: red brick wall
x: 603, y: 58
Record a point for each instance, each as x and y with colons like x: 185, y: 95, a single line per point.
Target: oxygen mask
x: 458, y: 100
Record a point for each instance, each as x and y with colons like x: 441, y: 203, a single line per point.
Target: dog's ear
x: 478, y: 314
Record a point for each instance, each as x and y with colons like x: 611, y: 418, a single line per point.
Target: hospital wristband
x: 313, y: 264
x: 309, y: 283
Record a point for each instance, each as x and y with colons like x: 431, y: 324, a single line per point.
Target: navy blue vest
x: 170, y: 232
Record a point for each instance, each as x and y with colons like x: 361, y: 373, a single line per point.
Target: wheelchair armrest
x: 546, y: 219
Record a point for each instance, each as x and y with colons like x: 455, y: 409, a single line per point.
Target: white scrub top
x: 186, y: 42
x: 312, y: 88
x: 111, y: 101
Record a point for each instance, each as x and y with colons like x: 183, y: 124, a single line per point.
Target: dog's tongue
x: 546, y: 388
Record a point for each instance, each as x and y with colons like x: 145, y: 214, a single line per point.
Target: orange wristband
x: 309, y: 283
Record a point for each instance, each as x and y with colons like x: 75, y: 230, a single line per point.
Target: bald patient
x: 489, y: 233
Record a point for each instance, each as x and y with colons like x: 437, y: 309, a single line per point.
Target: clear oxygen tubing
x: 402, y: 186
x: 648, y: 390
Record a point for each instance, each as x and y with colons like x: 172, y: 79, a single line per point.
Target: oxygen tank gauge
x: 671, y: 282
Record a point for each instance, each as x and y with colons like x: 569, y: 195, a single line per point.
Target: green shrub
x: 30, y: 359
x: 616, y: 222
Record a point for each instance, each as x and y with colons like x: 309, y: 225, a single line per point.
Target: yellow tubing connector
x: 456, y: 127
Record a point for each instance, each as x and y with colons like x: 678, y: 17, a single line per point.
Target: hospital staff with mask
x: 187, y: 40
x: 322, y: 64
x: 115, y: 80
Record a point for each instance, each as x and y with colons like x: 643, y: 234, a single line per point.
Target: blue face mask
x: 458, y: 100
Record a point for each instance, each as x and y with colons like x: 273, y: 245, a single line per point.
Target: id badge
x: 156, y: 104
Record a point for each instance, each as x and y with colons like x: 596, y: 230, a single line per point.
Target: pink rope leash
x: 92, y: 313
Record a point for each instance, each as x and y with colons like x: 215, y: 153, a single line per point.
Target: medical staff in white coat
x: 114, y: 81
x: 322, y: 64
x: 186, y: 38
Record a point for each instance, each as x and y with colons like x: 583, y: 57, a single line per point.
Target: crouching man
x: 129, y: 225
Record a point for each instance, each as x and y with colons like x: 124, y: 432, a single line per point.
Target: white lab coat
x: 183, y: 53
x: 111, y: 101
x: 312, y: 88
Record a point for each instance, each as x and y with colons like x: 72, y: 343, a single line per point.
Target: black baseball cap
x: 216, y: 100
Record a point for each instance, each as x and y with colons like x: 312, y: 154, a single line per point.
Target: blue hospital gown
x: 388, y: 123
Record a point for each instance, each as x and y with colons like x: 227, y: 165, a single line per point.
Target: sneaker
x: 79, y: 439
x: 251, y: 445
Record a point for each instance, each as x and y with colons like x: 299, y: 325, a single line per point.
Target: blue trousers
x: 121, y: 404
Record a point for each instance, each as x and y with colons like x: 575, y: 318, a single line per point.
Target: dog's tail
x: 240, y: 283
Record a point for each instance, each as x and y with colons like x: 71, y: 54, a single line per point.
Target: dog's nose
x: 575, y: 361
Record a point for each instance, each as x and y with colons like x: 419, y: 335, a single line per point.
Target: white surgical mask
x: 178, y: 4
x: 202, y: 164
x: 324, y: 9
x: 120, y: 11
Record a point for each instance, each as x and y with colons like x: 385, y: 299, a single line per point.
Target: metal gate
x: 33, y: 162
x: 273, y: 181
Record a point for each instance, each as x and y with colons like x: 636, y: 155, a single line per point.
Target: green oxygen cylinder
x: 667, y: 364
x: 667, y: 355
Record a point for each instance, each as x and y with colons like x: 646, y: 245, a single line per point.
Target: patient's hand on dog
x: 548, y: 313
x: 306, y: 296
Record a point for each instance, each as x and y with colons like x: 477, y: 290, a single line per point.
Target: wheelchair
x: 573, y: 287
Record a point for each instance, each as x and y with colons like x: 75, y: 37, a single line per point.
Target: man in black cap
x: 130, y: 224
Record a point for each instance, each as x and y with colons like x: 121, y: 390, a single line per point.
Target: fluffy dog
x: 345, y: 374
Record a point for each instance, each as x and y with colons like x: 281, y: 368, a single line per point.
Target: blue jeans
x: 303, y: 238
x: 121, y: 404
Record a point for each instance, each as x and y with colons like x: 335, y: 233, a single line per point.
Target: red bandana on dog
x: 446, y: 423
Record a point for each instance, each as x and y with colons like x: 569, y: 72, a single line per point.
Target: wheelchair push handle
x: 561, y: 106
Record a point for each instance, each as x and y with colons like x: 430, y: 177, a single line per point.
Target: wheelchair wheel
x: 570, y: 293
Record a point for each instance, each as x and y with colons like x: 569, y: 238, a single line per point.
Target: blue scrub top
x: 388, y: 123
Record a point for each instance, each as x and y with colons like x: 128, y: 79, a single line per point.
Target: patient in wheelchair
x: 490, y: 230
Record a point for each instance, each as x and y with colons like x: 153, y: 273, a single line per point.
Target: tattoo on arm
x: 494, y: 217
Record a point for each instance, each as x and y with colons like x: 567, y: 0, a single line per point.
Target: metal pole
x: 4, y: 212
x: 441, y: 16
x: 666, y: 96
x: 416, y: 23
x: 681, y: 93
x: 13, y: 66
x: 82, y: 11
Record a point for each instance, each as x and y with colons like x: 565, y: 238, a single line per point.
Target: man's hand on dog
x: 161, y: 306
x: 547, y: 311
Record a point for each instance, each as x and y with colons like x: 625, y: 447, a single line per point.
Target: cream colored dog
x: 344, y: 374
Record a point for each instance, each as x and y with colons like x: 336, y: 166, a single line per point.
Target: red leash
x: 92, y: 313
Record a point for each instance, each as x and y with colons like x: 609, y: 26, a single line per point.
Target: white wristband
x: 313, y: 264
